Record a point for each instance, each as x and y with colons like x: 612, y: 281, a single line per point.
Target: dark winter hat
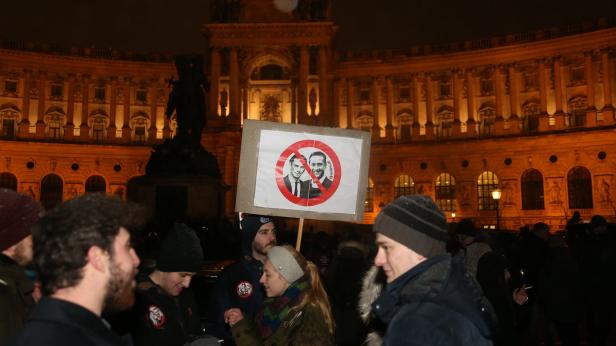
x: 18, y: 213
x: 415, y: 222
x: 180, y: 251
x: 250, y: 224
x: 466, y: 227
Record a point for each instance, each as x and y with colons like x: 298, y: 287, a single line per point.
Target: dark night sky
x: 173, y: 25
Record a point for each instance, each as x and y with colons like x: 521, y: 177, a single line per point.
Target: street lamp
x: 496, y: 195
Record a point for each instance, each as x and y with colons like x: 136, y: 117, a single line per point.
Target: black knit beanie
x: 250, y: 224
x: 415, y: 222
x: 180, y: 251
x: 18, y: 213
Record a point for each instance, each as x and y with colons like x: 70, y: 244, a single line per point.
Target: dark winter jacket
x: 56, y: 322
x: 305, y: 327
x: 237, y: 287
x: 162, y: 319
x: 435, y: 303
x: 15, y: 297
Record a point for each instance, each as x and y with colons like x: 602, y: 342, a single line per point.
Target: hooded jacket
x: 435, y: 303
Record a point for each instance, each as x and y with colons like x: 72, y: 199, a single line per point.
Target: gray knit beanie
x: 415, y: 222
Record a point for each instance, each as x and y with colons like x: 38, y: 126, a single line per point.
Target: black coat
x: 435, y: 303
x: 237, y: 287
x: 16, y: 301
x: 56, y: 322
x: 162, y: 319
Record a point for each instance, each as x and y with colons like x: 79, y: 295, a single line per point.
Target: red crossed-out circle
x: 326, y: 193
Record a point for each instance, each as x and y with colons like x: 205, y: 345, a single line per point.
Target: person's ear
x: 98, y: 258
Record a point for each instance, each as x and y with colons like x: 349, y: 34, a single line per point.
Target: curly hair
x: 64, y: 235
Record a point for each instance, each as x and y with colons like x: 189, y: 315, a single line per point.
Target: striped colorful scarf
x: 276, y: 309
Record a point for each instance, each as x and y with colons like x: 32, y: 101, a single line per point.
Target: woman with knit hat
x: 297, y: 310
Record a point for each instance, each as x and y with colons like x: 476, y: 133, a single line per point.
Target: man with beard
x: 318, y: 165
x: 166, y: 310
x: 86, y: 264
x: 18, y: 213
x: 238, y: 285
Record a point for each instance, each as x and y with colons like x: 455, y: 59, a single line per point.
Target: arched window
x: 404, y: 185
x: 487, y: 116
x: 369, y: 203
x: 579, y: 188
x: 139, y: 124
x: 486, y: 183
x: 55, y: 119
x: 365, y: 120
x: 532, y: 190
x: 9, y: 117
x: 8, y: 181
x: 405, y: 121
x: 577, y: 111
x: 446, y: 192
x: 52, y: 188
x: 531, y: 110
x: 445, y: 121
x: 98, y: 122
x: 96, y: 183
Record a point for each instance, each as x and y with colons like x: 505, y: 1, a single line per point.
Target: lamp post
x: 496, y: 195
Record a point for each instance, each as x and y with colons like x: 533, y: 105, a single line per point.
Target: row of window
x: 52, y: 187
x: 444, y: 86
x: 57, y: 91
x: 579, y: 191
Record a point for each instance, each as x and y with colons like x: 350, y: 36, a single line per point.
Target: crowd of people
x: 70, y: 276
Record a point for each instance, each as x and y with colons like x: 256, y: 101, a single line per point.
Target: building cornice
x: 490, y: 56
x: 269, y: 34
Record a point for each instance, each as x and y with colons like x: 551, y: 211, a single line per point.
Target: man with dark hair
x: 318, y: 165
x: 238, y: 285
x: 292, y: 180
x: 18, y: 213
x: 166, y: 310
x: 86, y: 264
x: 429, y: 299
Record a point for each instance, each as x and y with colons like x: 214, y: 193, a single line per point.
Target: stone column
x: 293, y: 101
x: 415, y: 89
x: 324, y: 99
x: 471, y: 123
x: 350, y: 102
x: 497, y: 78
x: 543, y: 97
x: 302, y: 89
x: 84, y: 129
x: 559, y: 115
x: 214, y: 119
x: 111, y: 130
x: 245, y: 100
x: 336, y: 103
x: 69, y: 129
x: 24, y: 124
x: 591, y: 112
x: 234, y: 90
x: 376, y: 98
x: 514, y: 97
x: 389, y: 127
x: 457, y: 102
x: 152, y: 131
x: 126, y: 131
x: 40, y: 116
x: 429, y: 107
x: 608, y: 108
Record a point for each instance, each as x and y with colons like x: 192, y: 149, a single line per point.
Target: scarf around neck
x: 276, y: 309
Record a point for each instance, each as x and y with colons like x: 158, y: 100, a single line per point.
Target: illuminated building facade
x: 529, y: 114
